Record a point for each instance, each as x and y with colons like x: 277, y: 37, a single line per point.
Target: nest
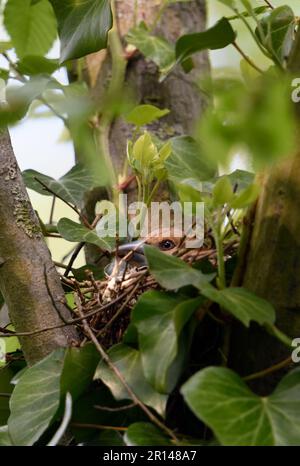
x: 107, y: 303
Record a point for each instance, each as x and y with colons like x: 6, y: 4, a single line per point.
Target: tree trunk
x: 179, y: 92
x: 28, y: 278
x: 271, y: 265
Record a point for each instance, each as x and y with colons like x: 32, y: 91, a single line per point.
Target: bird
x: 169, y: 242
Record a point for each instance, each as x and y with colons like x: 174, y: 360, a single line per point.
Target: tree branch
x: 25, y: 256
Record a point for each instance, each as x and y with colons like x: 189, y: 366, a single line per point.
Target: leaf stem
x: 273, y: 330
x: 247, y: 58
x: 120, y: 376
x: 269, y: 370
x: 114, y: 90
x: 243, y: 19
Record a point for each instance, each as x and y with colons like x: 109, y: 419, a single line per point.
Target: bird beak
x: 137, y: 247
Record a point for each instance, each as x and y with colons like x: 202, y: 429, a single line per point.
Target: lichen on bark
x: 28, y: 279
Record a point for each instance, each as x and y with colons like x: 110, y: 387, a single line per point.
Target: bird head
x: 166, y: 240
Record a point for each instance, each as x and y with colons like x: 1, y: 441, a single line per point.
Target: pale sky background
x: 36, y: 141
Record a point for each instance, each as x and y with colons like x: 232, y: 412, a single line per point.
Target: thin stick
x: 9, y: 333
x: 82, y: 217
x: 119, y: 375
x: 52, y: 210
x: 113, y: 410
x: 269, y: 4
x: 73, y: 258
x: 270, y: 370
x: 97, y: 426
x: 248, y: 59
x: 120, y: 310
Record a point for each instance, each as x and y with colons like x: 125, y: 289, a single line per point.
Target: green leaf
x: 145, y: 114
x: 71, y: 187
x: 276, y: 31
x: 222, y: 192
x: 186, y: 162
x: 238, y: 417
x: 217, y: 37
x: 80, y: 274
x: 257, y: 11
x: 258, y: 118
x: 83, y: 26
x: 35, y: 400
x: 77, y: 233
x: 243, y: 304
x: 5, y: 45
x: 32, y: 27
x: 152, y: 47
x: 163, y: 354
x: 79, y: 368
x: 12, y: 344
x: 142, y: 434
x: 5, y: 440
x: 241, y: 179
x: 246, y: 197
x: 128, y: 361
x: 173, y: 273
x: 19, y: 99
x: 35, y: 64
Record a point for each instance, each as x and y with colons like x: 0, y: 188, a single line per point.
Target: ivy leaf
x: 79, y: 368
x: 35, y: 400
x: 186, y: 162
x: 276, y: 31
x: 241, y: 179
x: 19, y: 99
x: 5, y: 440
x: 222, y: 192
x: 77, y: 233
x: 145, y: 434
x: 82, y: 26
x: 142, y: 115
x: 34, y: 64
x: 217, y: 37
x: 70, y: 187
x: 257, y: 11
x: 128, y: 362
x: 246, y: 197
x: 155, y: 48
x: 163, y: 353
x: 80, y: 273
x: 32, y: 27
x: 243, y: 304
x: 238, y: 417
x: 173, y: 273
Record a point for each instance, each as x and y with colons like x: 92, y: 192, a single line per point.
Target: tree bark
x: 179, y: 92
x: 271, y: 264
x: 28, y: 278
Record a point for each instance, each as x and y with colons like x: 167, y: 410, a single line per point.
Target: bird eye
x: 166, y: 245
